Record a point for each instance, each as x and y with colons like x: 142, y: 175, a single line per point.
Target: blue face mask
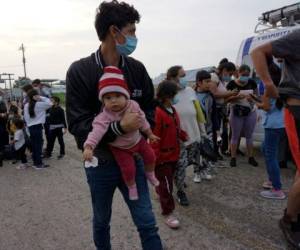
x: 128, y: 47
x: 183, y: 83
x: 226, y: 78
x: 244, y: 79
x: 175, y: 100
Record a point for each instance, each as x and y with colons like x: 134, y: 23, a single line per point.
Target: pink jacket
x: 102, y: 121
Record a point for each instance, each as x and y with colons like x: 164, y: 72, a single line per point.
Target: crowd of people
x: 112, y: 108
x: 22, y: 124
x: 129, y: 132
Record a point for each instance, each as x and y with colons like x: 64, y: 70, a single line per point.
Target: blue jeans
x: 103, y: 181
x: 270, y: 149
x: 36, y: 138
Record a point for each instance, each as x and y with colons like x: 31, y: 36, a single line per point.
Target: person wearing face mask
x: 226, y: 70
x: 242, y: 113
x: 191, y: 118
x: 115, y: 24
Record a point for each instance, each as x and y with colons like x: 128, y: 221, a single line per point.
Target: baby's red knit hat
x: 112, y: 80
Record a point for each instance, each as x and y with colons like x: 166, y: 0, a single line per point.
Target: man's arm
x: 259, y: 57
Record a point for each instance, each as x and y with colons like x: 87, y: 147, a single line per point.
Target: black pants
x: 53, y: 133
x: 36, y: 137
x: 20, y: 154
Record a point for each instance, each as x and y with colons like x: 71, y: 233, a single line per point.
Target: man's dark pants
x: 103, y: 181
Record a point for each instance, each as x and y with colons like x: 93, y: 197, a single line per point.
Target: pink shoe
x: 172, y: 222
x: 152, y: 179
x: 133, y: 193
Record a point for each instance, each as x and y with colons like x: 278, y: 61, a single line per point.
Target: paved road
x: 50, y: 210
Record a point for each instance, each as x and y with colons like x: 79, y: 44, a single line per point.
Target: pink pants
x: 125, y: 158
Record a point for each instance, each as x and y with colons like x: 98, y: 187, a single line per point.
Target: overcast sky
x: 192, y: 33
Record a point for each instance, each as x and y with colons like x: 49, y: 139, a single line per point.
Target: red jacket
x: 167, y: 128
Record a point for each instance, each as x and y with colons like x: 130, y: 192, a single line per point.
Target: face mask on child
x: 226, y: 78
x: 244, y: 79
x: 182, y: 82
x: 175, y: 100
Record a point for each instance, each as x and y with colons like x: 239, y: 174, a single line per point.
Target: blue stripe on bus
x: 247, y: 46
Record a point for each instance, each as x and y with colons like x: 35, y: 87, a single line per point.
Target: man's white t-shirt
x: 187, y: 114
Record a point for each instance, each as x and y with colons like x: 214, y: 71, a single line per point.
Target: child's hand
x: 65, y: 130
x: 88, y: 154
x: 153, y: 138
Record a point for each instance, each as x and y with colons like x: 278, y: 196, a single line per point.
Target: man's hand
x: 131, y: 121
x: 271, y: 90
x: 88, y: 153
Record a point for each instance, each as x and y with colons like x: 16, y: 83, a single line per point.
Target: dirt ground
x: 51, y: 210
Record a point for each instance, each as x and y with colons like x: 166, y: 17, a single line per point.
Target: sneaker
x: 197, y: 178
x: 22, y: 166
x: 182, y: 199
x: 233, y: 162
x: 221, y: 164
x: 252, y: 162
x: 41, y: 167
x: 60, y: 157
x: 205, y: 175
x: 267, y: 185
x: 290, y: 231
x: 172, y: 222
x: 273, y: 194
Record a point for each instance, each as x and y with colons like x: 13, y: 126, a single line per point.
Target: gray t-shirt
x: 288, y: 48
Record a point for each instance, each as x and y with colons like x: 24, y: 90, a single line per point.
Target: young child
x: 114, y: 94
x: 167, y: 149
x: 207, y: 102
x: 19, y: 143
x: 57, y: 127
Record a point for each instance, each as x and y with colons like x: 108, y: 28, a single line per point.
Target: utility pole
x: 9, y: 79
x: 24, y: 60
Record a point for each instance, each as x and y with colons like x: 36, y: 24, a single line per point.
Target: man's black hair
x: 225, y: 64
x: 173, y: 72
x: 27, y: 87
x: 36, y: 81
x: 202, y: 75
x: 244, y: 67
x: 114, y: 13
x: 56, y: 99
x: 166, y: 89
x: 19, y: 123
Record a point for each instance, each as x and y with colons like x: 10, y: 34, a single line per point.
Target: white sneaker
x: 197, y: 178
x: 205, y: 175
x: 172, y: 221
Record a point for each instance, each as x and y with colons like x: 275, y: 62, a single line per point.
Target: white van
x: 272, y: 25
